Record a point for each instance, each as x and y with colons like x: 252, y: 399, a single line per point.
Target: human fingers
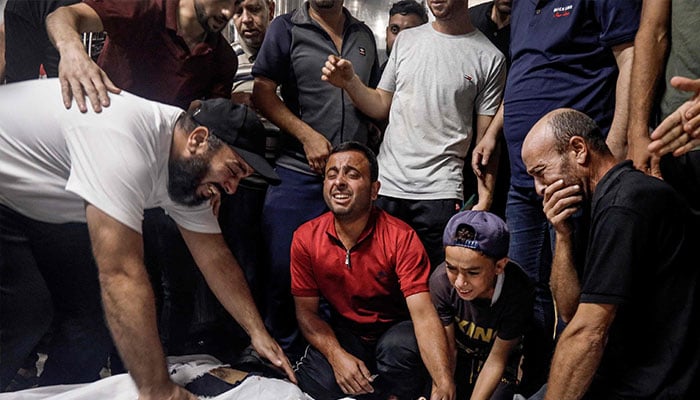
x: 667, y: 132
x: 679, y: 141
x: 685, y: 84
x: 560, y: 203
x: 476, y: 163
x: 78, y: 94
x: 686, y: 147
x: 67, y: 93
x: 273, y: 352
x: 692, y: 119
x: 655, y: 167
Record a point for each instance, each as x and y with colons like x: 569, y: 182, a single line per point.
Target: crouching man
x: 384, y: 338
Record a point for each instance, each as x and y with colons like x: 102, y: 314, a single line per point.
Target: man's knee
x: 315, y: 376
x: 398, y: 348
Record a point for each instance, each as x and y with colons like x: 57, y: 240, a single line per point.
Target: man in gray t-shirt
x: 437, y: 78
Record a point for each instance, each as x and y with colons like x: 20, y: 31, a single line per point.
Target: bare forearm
x: 617, y: 137
x: 372, y: 102
x: 646, y: 72
x: 434, y: 350
x: 492, y: 371
x: 488, y: 129
x: 272, y: 108
x: 130, y: 312
x: 573, y: 366
x: 128, y: 300
x: 650, y: 45
x: 318, y: 333
x: 64, y: 27
x: 563, y: 279
x: 488, y: 380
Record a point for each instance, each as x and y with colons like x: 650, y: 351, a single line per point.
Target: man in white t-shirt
x: 437, y: 78
x: 60, y: 166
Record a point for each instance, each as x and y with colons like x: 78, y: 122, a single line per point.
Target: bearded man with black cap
x: 60, y: 166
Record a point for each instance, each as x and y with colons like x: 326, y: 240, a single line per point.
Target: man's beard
x: 325, y: 3
x: 203, y: 19
x: 184, y: 178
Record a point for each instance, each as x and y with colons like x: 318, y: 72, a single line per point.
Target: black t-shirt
x: 478, y: 322
x: 480, y: 16
x: 639, y: 258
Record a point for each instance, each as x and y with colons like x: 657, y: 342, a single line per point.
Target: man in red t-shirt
x: 171, y: 51
x: 373, y: 271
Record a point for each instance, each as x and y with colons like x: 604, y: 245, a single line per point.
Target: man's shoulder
x: 312, y: 226
x: 626, y: 188
x: 392, y: 224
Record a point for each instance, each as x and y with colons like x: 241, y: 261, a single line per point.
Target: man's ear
x: 579, y: 148
x: 197, y: 139
x: 271, y: 5
x: 501, y: 265
x: 375, y: 190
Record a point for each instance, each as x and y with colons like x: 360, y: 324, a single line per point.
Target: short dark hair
x: 569, y: 123
x: 405, y: 7
x: 368, y: 153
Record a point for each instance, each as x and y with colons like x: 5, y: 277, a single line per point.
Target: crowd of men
x: 505, y: 208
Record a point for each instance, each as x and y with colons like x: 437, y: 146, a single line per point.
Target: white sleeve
x: 489, y: 97
x: 197, y: 219
x: 111, y: 171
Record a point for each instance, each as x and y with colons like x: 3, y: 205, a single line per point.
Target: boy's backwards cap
x: 478, y: 230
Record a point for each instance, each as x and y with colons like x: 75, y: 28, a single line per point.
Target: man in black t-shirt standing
x: 633, y: 308
x: 493, y: 20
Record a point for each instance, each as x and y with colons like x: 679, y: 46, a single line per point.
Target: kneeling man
x: 373, y: 271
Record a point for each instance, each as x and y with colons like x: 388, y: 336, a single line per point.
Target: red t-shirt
x: 368, y: 284
x: 144, y: 55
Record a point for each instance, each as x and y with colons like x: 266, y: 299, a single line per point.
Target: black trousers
x: 394, y: 358
x: 49, y: 281
x: 427, y: 217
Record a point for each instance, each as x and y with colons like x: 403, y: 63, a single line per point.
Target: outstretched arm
x: 130, y: 306
x: 79, y: 75
x: 432, y: 343
x: 650, y: 47
x: 492, y: 371
x: 226, y: 280
x: 352, y: 375
x: 374, y: 103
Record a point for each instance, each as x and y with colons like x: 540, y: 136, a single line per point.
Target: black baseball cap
x: 240, y: 128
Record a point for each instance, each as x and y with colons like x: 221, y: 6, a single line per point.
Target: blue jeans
x: 49, y: 281
x: 296, y: 200
x: 395, y: 358
x: 531, y: 247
